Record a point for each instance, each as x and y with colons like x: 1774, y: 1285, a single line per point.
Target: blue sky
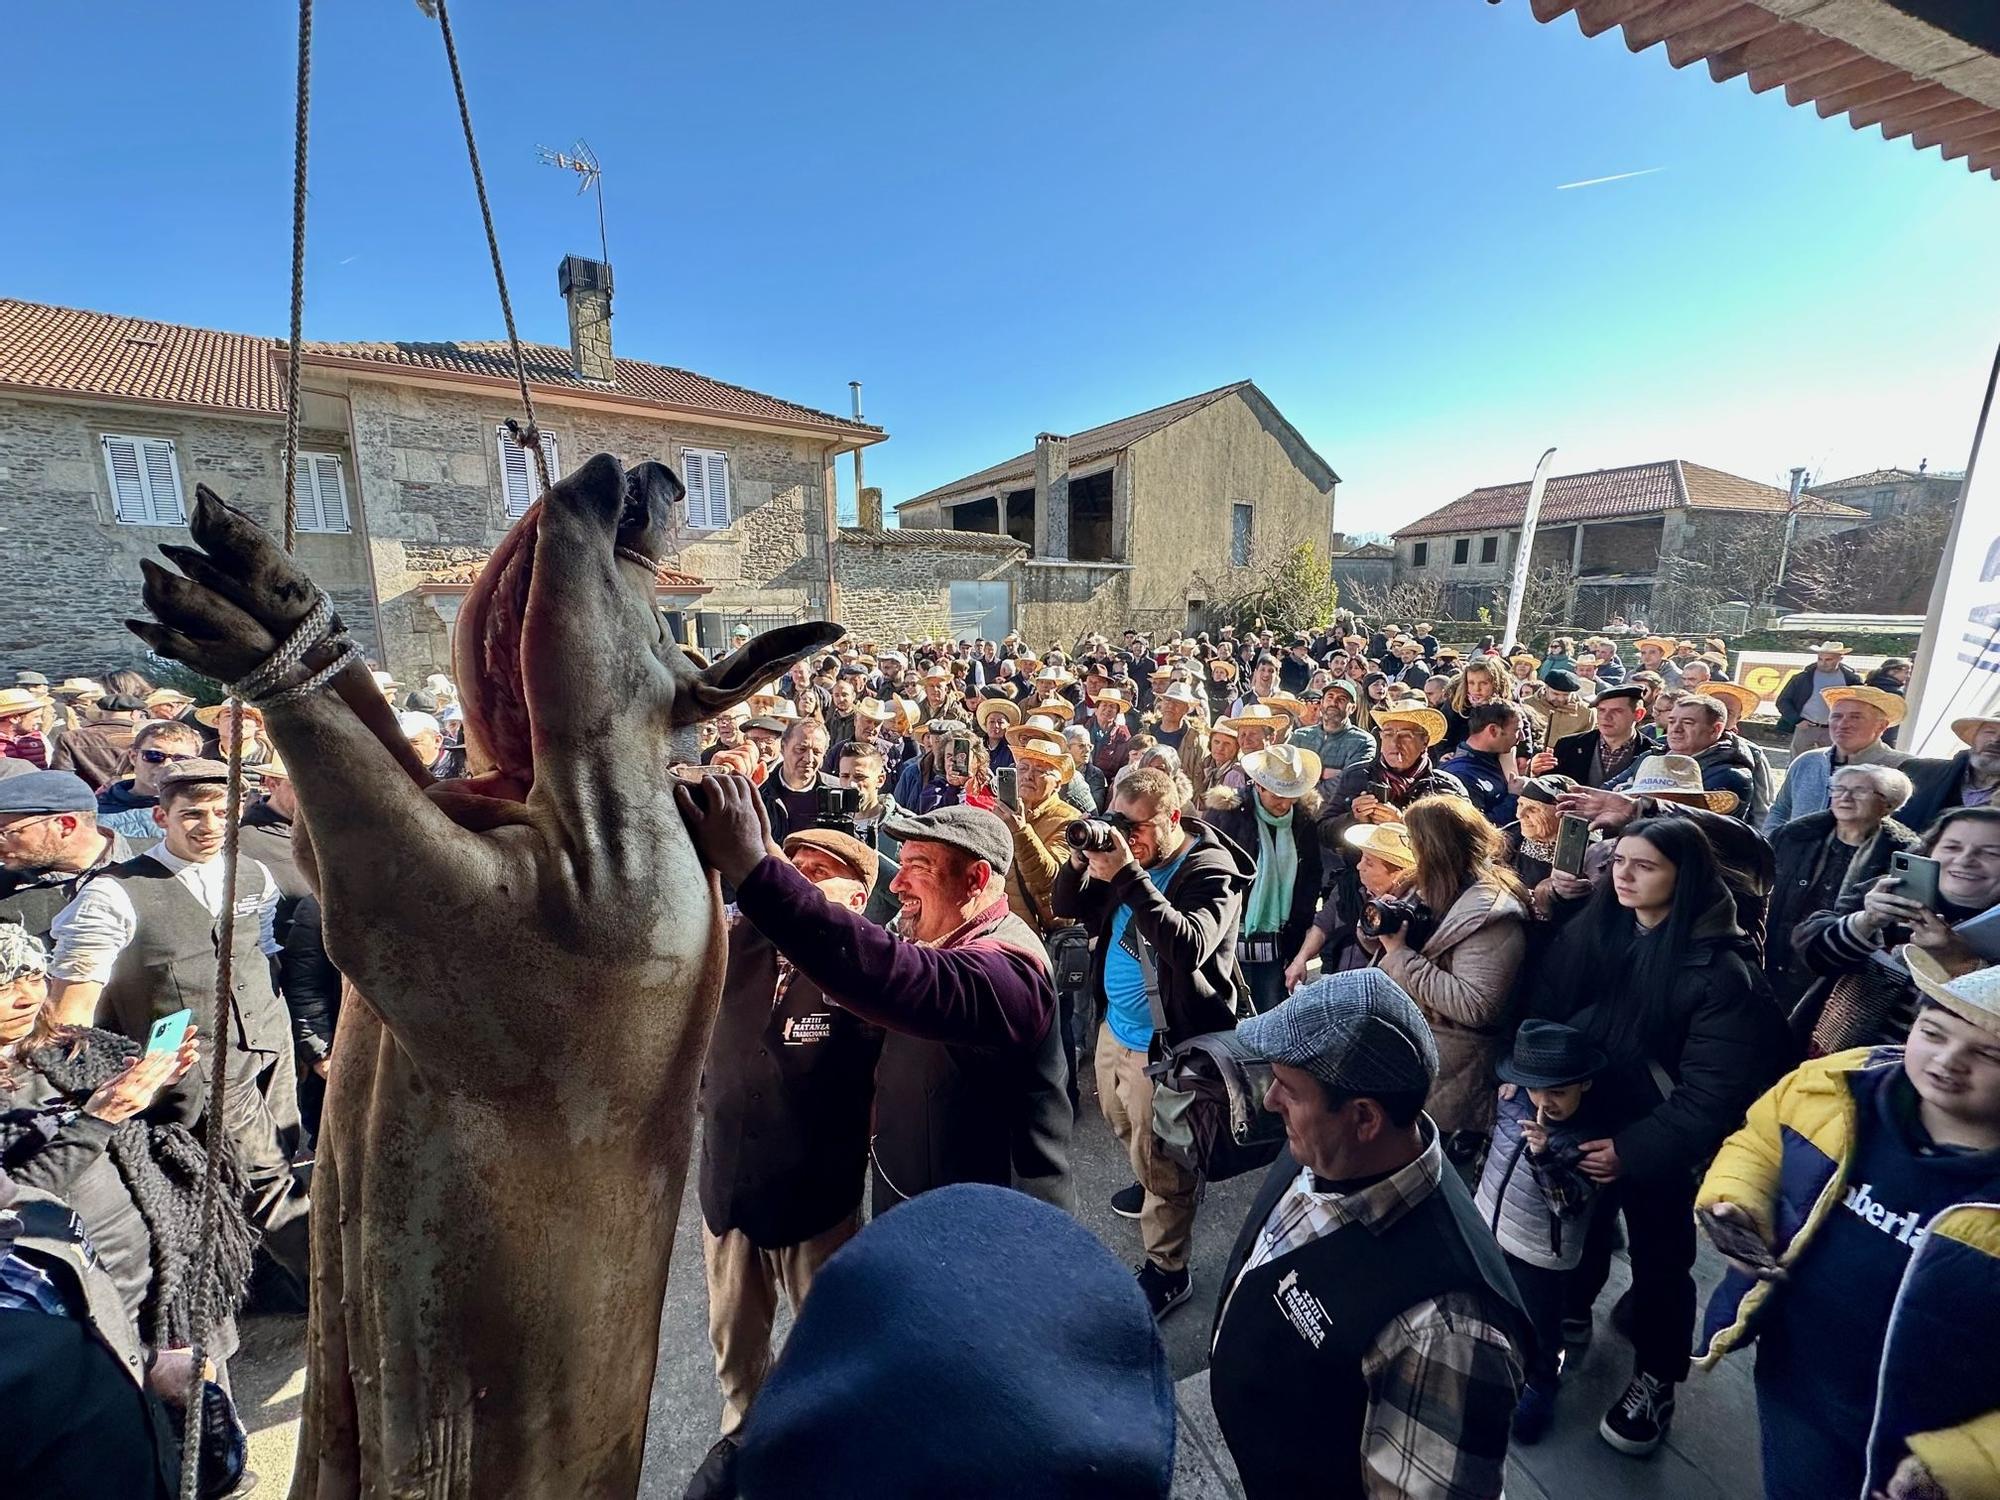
x: 1013, y: 218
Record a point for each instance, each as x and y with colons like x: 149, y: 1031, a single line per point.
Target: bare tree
x: 1402, y: 599
x: 1285, y: 588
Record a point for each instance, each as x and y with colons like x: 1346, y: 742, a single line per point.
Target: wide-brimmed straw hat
x: 1055, y: 677
x: 876, y: 711
x: 1222, y: 669
x: 212, y: 715
x: 1283, y: 770
x: 1676, y: 778
x: 1258, y: 716
x: 82, y: 687
x: 161, y: 696
x: 1965, y: 729
x: 1042, y: 747
x: 1973, y: 996
x: 1389, y: 842
x: 1429, y: 720
x: 1108, y: 695
x: 1825, y: 648
x: 19, y: 701
x: 1890, y: 705
x: 1746, y: 699
x: 1181, y: 692
x: 1006, y: 708
x: 1666, y: 644
x: 1285, y: 703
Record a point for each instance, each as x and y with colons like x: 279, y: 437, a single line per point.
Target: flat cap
x: 846, y: 848
x: 973, y: 829
x: 46, y: 792
x: 1623, y: 690
x: 30, y: 680
x: 193, y: 773
x: 1563, y: 680
x: 1355, y: 1031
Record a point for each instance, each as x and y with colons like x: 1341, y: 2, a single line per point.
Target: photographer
x: 1455, y: 945
x: 970, y: 1085
x: 1162, y: 895
x: 1382, y: 869
x: 1276, y: 817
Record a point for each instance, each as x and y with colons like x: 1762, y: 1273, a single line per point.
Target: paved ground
x: 1712, y: 1454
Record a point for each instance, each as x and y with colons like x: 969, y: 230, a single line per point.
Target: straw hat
x: 1110, y: 695
x: 1828, y: 648
x: 1181, y: 692
x: 1006, y: 708
x: 1258, y: 716
x: 876, y: 711
x: 1965, y: 729
x: 1285, y: 703
x: 212, y: 715
x: 1667, y: 646
x: 909, y: 715
x: 162, y: 696
x: 1525, y: 659
x: 1676, y: 778
x: 387, y: 682
x: 1745, y: 698
x: 1043, y: 749
x: 1054, y: 679
x: 1388, y: 842
x: 270, y: 770
x: 1423, y: 717
x: 1973, y: 996
x: 19, y: 701
x: 82, y: 687
x: 1226, y: 728
x: 1222, y: 669
x: 1283, y: 770
x: 1890, y: 705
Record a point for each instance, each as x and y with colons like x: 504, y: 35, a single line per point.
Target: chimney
x: 871, y: 509
x: 1051, y: 496
x: 586, y: 287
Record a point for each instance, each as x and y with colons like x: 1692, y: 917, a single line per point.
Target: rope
x: 299, y: 137
x: 529, y: 437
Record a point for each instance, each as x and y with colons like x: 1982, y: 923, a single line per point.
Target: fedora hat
x: 1428, y: 719
x: 909, y: 714
x: 1676, y: 778
x: 1827, y: 648
x: 1283, y: 770
x: 1258, y: 716
x: 212, y: 715
x: 19, y: 701
x: 1965, y: 729
x: 1890, y: 705
x: 1006, y: 708
x: 1748, y: 702
x: 1043, y: 748
x: 1548, y: 1055
x: 1972, y: 996
x: 1666, y: 645
x: 1181, y: 692
x: 82, y: 687
x: 1111, y: 695
x: 876, y: 711
x: 1227, y: 729
x: 1388, y: 842
x: 1285, y: 703
x: 270, y: 770
x: 159, y: 697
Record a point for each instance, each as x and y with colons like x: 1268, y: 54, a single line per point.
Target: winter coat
x: 1726, y: 766
x: 97, y: 749
x: 1463, y: 981
x: 1538, y: 1207
x: 1796, y: 849
x: 1939, y: 786
x: 1573, y: 752
x: 1938, y: 1391
x: 1716, y: 1041
x: 1192, y: 926
x: 1238, y: 819
x: 1798, y: 690
x: 1809, y: 781
x: 1040, y: 850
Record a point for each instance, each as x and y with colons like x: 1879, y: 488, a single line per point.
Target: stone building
x: 108, y: 423
x: 1885, y: 493
x: 1618, y: 533
x: 1361, y: 565
x: 1140, y: 521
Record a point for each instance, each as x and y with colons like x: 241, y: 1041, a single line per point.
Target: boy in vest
x: 142, y: 940
x: 1532, y: 1196
x: 1369, y: 1337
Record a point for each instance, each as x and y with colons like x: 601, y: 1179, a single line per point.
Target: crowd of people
x: 1530, y: 957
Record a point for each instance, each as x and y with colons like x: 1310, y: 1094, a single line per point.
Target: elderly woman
x: 1383, y: 869
x: 1824, y: 855
x: 1275, y: 820
x: 1531, y: 838
x: 1223, y: 748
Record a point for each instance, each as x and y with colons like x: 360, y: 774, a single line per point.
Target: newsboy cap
x: 193, y: 773
x: 46, y: 792
x: 1356, y: 1032
x: 973, y: 829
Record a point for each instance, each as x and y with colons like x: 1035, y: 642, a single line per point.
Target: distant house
x: 1135, y: 521
x: 1363, y: 566
x: 1884, y: 493
x: 1615, y: 530
x: 409, y: 479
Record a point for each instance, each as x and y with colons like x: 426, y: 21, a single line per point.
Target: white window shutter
x: 706, y: 474
x: 145, y: 481
x: 518, y: 479
x: 163, y: 481
x: 128, y: 482
x: 322, y: 493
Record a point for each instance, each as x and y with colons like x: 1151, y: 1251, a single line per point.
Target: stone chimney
x: 586, y: 287
x: 871, y: 509
x: 1051, y: 496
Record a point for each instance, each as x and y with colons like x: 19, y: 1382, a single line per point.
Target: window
x: 519, y: 482
x: 1420, y: 554
x: 322, y: 493
x: 1489, y: 549
x: 1461, y: 550
x: 145, y: 478
x: 1239, y: 536
x: 706, y: 473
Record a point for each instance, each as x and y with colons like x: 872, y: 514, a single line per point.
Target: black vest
x: 785, y: 1099
x: 173, y: 957
x: 946, y: 1114
x: 1285, y: 1371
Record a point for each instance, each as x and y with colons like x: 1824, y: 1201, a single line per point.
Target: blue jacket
x: 1485, y: 782
x: 1938, y: 1395
x: 1809, y: 782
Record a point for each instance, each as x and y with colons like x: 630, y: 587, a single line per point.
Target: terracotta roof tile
x: 1085, y: 447
x: 1607, y: 494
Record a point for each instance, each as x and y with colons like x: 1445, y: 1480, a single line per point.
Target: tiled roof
x: 61, y: 349
x: 1084, y: 447
x: 1872, y: 477
x: 1607, y: 494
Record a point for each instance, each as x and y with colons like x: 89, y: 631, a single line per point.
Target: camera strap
x: 1143, y: 951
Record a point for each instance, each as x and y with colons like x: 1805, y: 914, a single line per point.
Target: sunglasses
x: 162, y: 757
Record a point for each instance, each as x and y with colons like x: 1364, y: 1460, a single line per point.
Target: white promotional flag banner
x: 1517, y: 590
x: 1958, y: 667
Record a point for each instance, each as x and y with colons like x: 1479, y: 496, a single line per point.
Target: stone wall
x: 1063, y: 600
x: 895, y: 583
x: 69, y: 572
x: 431, y: 470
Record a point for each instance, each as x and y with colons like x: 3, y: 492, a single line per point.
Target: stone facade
x: 69, y: 571
x: 898, y: 583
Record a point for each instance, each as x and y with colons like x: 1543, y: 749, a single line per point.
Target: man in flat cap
x: 1368, y: 1333
x: 50, y: 840
x: 142, y: 940
x: 971, y: 1085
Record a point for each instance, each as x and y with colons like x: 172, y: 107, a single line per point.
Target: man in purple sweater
x: 970, y: 1086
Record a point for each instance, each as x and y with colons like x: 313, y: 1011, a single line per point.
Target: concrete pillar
x: 586, y: 287
x: 1051, y: 495
x: 871, y: 509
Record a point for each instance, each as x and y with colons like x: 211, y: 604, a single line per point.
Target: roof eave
x: 151, y: 403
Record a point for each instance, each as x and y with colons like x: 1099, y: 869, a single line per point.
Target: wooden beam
x: 1875, y: 111
x: 1861, y: 69
x: 1823, y: 57
x: 1948, y: 135
x: 1548, y: 10
x: 1957, y: 110
x: 1657, y: 22
x: 1897, y: 85
x: 1595, y: 17
x: 1696, y: 43
x: 1784, y: 41
x: 1970, y: 141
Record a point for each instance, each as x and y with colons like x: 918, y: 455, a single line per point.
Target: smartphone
x: 1379, y: 790
x: 1916, y: 878
x: 169, y: 1032
x: 1007, y: 786
x: 1572, y: 840
x: 959, y: 756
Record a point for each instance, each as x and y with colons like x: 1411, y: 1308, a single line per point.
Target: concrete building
x: 1138, y: 521
x: 108, y: 423
x: 1615, y: 530
x: 1361, y: 565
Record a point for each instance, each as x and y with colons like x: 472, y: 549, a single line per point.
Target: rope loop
x: 308, y: 633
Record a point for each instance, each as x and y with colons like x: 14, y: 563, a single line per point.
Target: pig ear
x: 746, y: 669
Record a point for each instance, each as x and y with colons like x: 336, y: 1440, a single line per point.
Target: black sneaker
x: 1165, y: 1290
x: 1638, y: 1420
x: 716, y: 1478
x: 1127, y: 1201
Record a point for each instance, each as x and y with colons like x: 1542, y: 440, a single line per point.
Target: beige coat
x: 1463, y: 981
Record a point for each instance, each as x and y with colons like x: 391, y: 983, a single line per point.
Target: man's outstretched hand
x: 727, y: 820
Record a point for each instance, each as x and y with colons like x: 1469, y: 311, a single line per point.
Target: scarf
x: 1277, y: 870
x: 1401, y: 782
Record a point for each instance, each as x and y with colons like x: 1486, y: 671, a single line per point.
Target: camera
x: 1404, y: 914
x: 1093, y: 835
x: 836, y: 808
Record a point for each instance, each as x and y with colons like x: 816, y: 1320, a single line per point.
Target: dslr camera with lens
x: 1404, y: 914
x: 837, y: 807
x: 1093, y: 835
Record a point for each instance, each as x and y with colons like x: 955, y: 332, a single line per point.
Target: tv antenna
x: 581, y: 160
